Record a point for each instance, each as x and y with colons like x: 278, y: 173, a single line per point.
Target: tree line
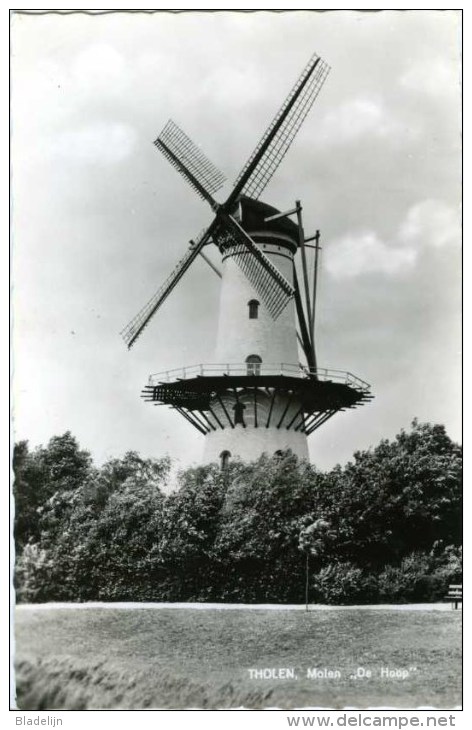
x: 390, y: 518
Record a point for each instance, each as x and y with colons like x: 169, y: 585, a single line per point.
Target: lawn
x: 127, y: 658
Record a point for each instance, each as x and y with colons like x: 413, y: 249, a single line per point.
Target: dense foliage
x: 384, y: 528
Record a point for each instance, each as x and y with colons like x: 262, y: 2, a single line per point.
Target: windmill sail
x: 271, y: 286
x: 276, y: 141
x: 132, y: 330
x: 189, y: 160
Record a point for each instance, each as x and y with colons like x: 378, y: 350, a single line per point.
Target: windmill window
x: 253, y: 309
x: 253, y: 365
x: 224, y: 459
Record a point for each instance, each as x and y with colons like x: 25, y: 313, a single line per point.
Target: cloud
x: 365, y: 253
x: 53, y: 87
x: 431, y: 222
x: 355, y: 119
x: 95, y: 143
x: 99, y: 67
x: 234, y: 85
x: 435, y: 78
x: 428, y: 223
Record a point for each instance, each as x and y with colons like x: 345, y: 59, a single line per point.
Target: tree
x: 191, y: 518
x: 257, y: 543
x: 107, y: 546
x: 27, y: 494
x: 312, y: 541
x: 385, y: 525
x: 45, y: 475
x: 401, y: 496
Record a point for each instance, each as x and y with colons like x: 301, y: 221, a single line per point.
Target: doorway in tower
x: 224, y: 459
x: 239, y: 409
x: 253, y: 365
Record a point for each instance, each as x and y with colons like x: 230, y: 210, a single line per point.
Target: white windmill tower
x: 256, y: 396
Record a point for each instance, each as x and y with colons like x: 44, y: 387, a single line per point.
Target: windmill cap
x: 252, y: 214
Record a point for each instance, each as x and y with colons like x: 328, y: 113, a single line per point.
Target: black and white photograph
x: 236, y: 293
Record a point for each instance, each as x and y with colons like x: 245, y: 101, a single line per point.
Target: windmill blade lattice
x: 271, y: 286
x: 268, y: 289
x: 304, y: 92
x: 177, y: 147
x: 132, y: 330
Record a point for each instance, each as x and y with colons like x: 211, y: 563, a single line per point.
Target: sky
x: 100, y: 217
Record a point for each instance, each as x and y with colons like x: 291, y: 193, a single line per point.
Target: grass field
x: 182, y: 658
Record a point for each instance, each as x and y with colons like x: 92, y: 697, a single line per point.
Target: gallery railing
x: 252, y: 368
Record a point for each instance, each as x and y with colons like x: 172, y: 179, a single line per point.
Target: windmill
x: 257, y: 396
